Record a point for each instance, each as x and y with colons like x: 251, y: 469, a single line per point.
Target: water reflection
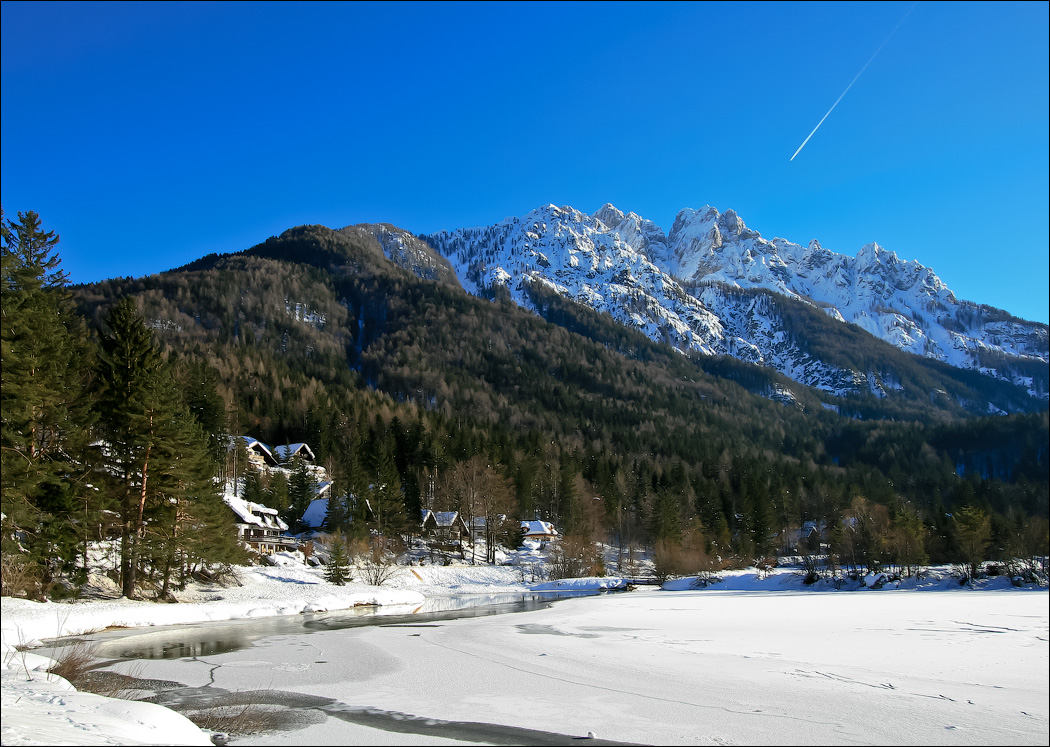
x: 208, y: 639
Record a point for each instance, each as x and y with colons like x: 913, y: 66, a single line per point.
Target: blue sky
x: 151, y: 134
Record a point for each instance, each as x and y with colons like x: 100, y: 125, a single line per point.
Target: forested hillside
x: 318, y: 337
x: 415, y: 394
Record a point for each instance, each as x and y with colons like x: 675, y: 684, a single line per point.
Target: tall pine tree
x: 157, y: 460
x: 302, y: 488
x: 131, y: 409
x: 45, y: 410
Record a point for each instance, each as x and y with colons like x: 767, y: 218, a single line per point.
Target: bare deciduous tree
x: 478, y: 491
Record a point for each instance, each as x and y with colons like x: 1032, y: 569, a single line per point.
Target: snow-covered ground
x: 289, y: 588
x: 755, y: 659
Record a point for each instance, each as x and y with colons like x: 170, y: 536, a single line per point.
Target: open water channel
x: 147, y: 650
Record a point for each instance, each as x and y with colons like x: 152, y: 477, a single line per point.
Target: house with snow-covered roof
x: 539, y: 531
x: 443, y: 525
x: 260, y: 526
x: 269, y: 461
x: 444, y: 531
x: 289, y: 452
x: 315, y: 514
x: 259, y: 454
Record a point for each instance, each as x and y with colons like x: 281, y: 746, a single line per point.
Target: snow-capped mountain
x: 705, y: 287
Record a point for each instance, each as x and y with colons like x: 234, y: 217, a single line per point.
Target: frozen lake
x: 650, y: 667
x: 207, y: 639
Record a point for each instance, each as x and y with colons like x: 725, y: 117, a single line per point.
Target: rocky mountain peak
x: 668, y: 285
x: 610, y: 215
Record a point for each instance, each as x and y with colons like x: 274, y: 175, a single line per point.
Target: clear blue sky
x: 148, y: 135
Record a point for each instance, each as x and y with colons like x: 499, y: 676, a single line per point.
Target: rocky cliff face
x: 708, y: 286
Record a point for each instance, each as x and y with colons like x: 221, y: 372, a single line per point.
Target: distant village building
x: 443, y: 526
x: 539, y: 531
x: 289, y: 452
x: 260, y: 526
x: 315, y: 514
x: 259, y: 454
x: 807, y: 537
x: 444, y: 531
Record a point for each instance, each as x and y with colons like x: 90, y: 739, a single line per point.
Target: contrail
x: 853, y: 81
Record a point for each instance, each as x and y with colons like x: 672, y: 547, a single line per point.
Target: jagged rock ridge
x: 706, y: 285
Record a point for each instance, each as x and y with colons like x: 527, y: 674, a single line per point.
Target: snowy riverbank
x: 723, y: 631
x: 39, y: 708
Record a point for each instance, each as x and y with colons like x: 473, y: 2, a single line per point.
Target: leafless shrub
x: 1028, y: 570
x: 77, y: 664
x: 574, y: 557
x: 810, y: 569
x: 73, y: 662
x: 245, y: 714
x: 686, y: 558
x: 765, y: 566
x: 375, y: 565
x: 629, y: 561
x: 19, y: 578
x: 223, y: 575
x: 530, y: 573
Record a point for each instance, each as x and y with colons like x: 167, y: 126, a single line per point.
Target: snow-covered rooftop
x: 315, y: 513
x: 539, y: 529
x: 254, y: 513
x: 289, y: 451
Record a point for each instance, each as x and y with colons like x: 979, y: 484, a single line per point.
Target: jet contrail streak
x: 853, y: 81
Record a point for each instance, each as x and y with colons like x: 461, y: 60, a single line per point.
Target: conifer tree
x: 302, y: 488
x: 385, y: 499
x: 45, y: 410
x: 277, y: 492
x: 338, y: 569
x: 199, y: 383
x: 355, y: 478
x: 133, y: 409
x: 254, y: 491
x: 973, y: 532
x: 337, y: 515
x: 190, y: 521
x: 158, y: 461
x: 907, y: 540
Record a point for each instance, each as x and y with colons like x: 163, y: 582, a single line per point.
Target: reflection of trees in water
x: 238, y: 635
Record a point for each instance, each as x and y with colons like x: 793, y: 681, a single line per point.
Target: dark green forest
x: 435, y: 395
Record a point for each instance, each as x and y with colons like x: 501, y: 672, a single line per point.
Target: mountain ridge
x: 673, y: 286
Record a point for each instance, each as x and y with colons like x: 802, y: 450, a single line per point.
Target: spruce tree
x: 385, y: 497
x: 337, y: 516
x: 45, y: 410
x: 973, y: 534
x: 277, y: 492
x: 302, y: 488
x: 355, y: 478
x: 254, y: 492
x: 131, y: 413
x: 192, y: 519
x: 338, y: 569
x: 158, y: 461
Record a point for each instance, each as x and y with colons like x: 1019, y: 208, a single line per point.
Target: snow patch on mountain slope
x: 580, y: 258
x: 666, y: 286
